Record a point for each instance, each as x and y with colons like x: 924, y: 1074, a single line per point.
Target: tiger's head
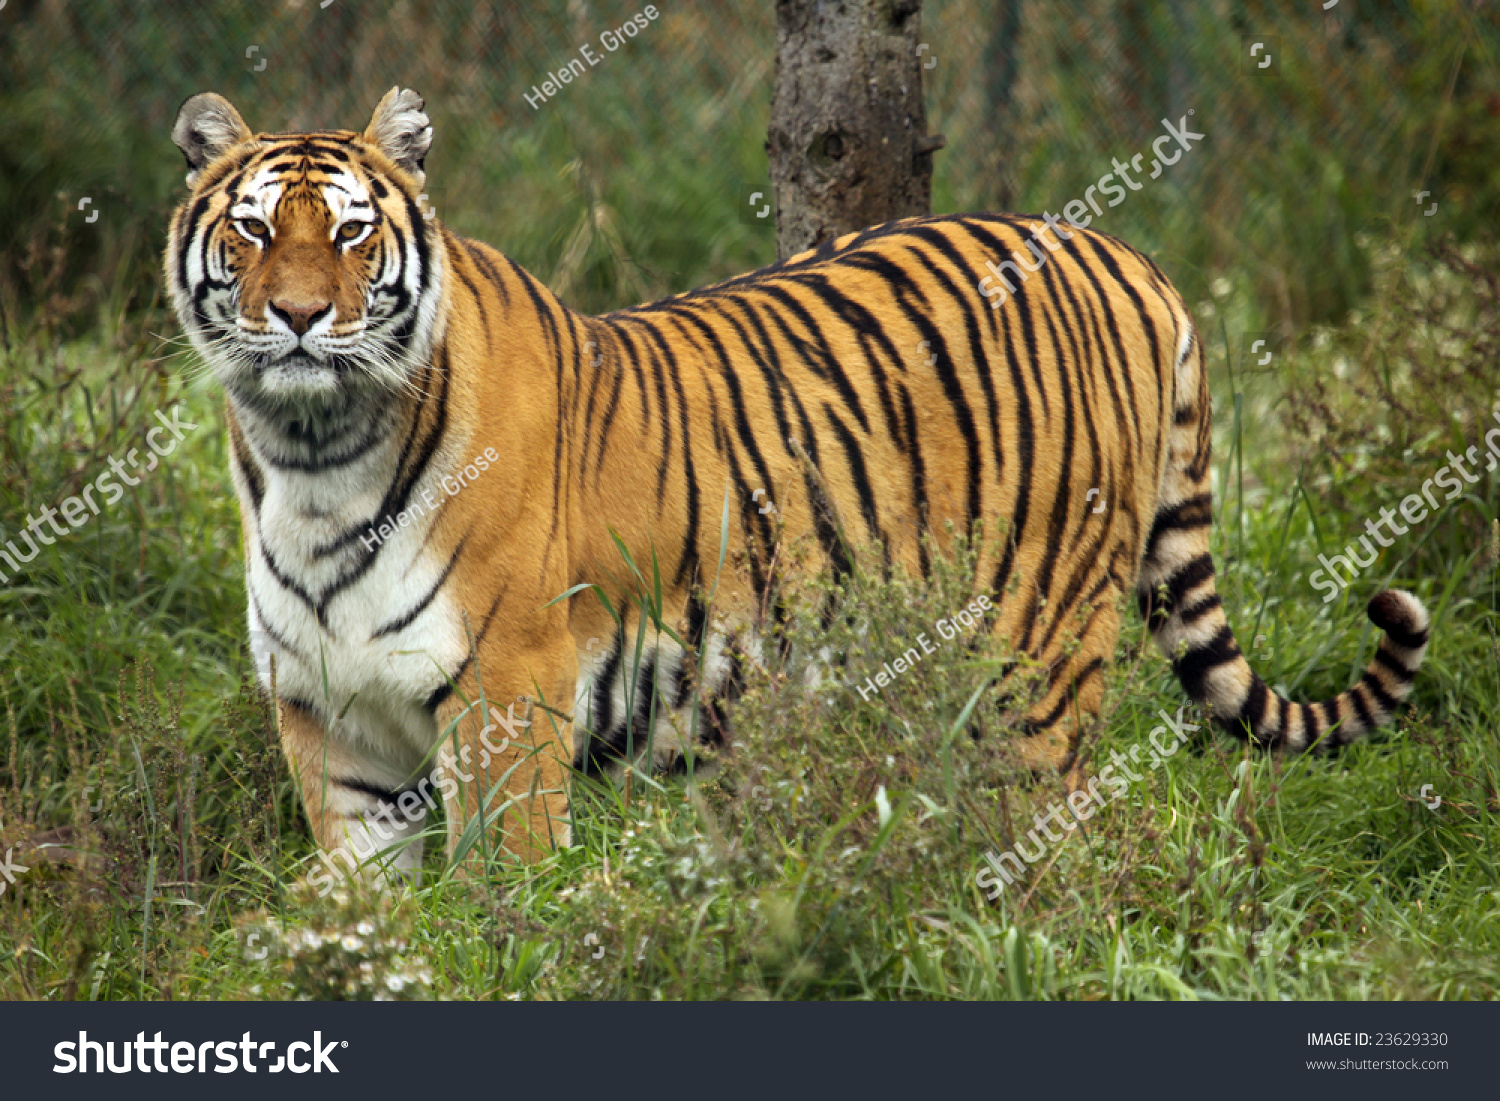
x: 301, y: 265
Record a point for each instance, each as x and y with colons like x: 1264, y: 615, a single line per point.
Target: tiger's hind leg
x: 1074, y: 683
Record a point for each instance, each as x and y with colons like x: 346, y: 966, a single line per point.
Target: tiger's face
x: 300, y: 265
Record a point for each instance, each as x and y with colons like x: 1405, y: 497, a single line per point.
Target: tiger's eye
x: 350, y: 230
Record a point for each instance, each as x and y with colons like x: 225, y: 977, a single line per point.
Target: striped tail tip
x: 1274, y: 721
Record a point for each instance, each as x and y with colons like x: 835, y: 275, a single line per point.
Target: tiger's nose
x: 300, y: 316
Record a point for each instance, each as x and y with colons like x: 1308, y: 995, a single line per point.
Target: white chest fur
x: 360, y: 626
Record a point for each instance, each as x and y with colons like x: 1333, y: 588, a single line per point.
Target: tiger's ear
x: 207, y: 126
x: 400, y: 129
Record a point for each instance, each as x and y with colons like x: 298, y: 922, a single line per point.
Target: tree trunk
x: 848, y: 140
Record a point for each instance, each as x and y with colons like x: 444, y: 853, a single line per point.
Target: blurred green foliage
x: 625, y: 184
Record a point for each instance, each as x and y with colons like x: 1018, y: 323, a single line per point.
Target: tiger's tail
x: 1186, y: 617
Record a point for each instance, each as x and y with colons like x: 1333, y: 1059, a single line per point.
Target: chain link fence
x: 1321, y: 121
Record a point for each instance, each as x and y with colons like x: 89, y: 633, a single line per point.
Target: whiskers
x: 361, y: 359
x: 202, y: 358
x: 387, y: 366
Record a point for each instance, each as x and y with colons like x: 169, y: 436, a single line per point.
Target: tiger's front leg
x: 365, y: 812
x: 505, y: 753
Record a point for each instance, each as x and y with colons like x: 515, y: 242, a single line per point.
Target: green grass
x: 834, y: 856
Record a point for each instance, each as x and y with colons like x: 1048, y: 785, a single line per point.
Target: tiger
x: 440, y: 467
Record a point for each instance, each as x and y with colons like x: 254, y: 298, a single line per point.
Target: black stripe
x: 1020, y: 514
x: 1361, y: 708
x: 445, y: 689
x: 1069, y: 694
x: 918, y: 311
x: 980, y: 361
x: 1193, y: 667
x: 1082, y: 553
x: 1129, y: 287
x: 1393, y: 663
x: 1196, y: 572
x: 484, y: 314
x: 618, y: 374
x: 1382, y: 697
x: 385, y: 795
x: 639, y: 364
x: 1059, y: 522
x: 399, y: 492
x: 384, y: 511
x: 289, y: 584
x: 1099, y: 360
x: 396, y: 625
x: 373, y: 435
x: 866, y: 328
x: 832, y: 367
x: 186, y: 241
x: 481, y: 261
x: 858, y: 474
x: 1063, y: 613
x: 1201, y: 609
x: 774, y: 373
x: 743, y: 428
x: 645, y: 703
x: 601, y: 716
x: 1410, y: 640
x: 1312, y: 720
x: 918, y: 481
x: 595, y: 376
x: 1254, y: 708
x: 1112, y: 325
x: 442, y: 691
x: 276, y: 635
x: 1193, y: 512
x: 246, y: 462
x: 697, y: 626
x: 688, y: 559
